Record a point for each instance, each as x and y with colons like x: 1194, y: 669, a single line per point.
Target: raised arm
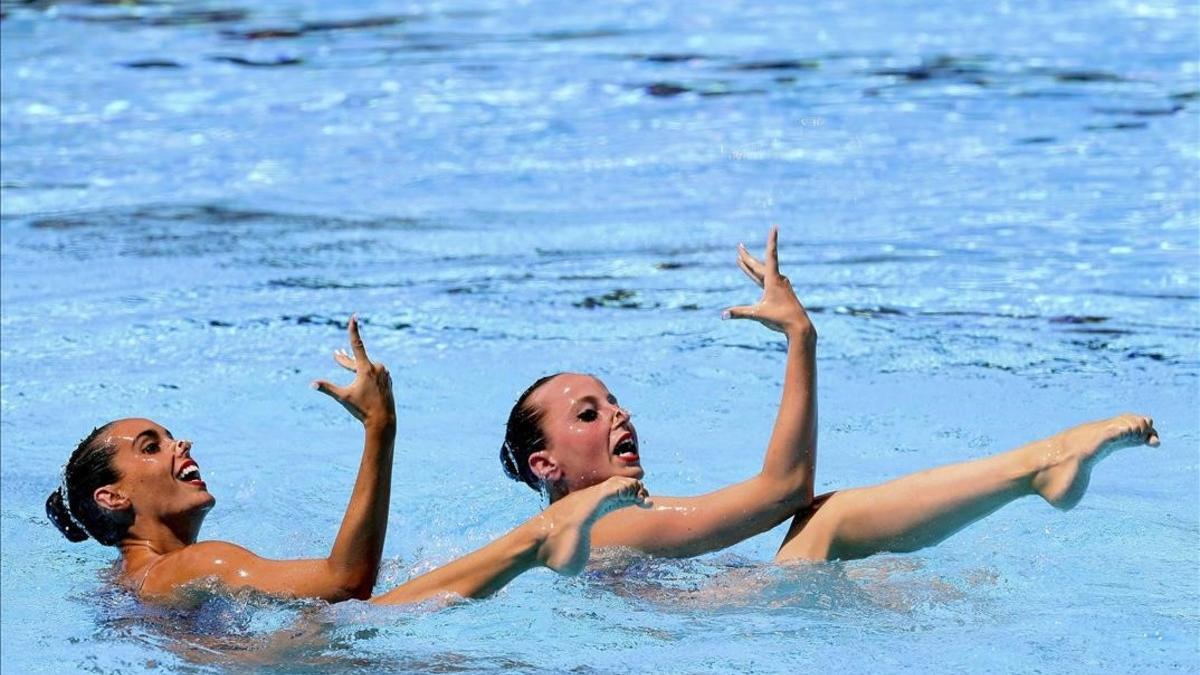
x: 354, y: 559
x: 350, y: 569
x: 681, y: 527
x: 792, y: 451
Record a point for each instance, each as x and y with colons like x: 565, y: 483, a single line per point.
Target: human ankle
x: 1032, y: 459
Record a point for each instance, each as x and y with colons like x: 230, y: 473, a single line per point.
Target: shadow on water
x: 216, y: 215
x: 192, y: 230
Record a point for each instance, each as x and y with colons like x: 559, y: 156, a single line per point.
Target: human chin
x: 207, y: 501
x: 194, y: 500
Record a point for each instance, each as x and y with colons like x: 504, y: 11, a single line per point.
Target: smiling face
x: 159, y: 480
x: 588, y: 436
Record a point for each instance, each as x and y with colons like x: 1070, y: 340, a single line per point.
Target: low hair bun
x: 60, y: 515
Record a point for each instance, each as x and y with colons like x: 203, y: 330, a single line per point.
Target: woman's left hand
x: 369, y: 396
x: 779, y: 309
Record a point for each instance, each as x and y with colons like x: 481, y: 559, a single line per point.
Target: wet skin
x: 159, y: 480
x: 583, y: 424
x: 589, y: 436
x: 160, y: 492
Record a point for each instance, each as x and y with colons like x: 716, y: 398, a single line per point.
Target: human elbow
x: 791, y: 492
x: 359, y: 592
x: 359, y: 589
x: 351, y: 584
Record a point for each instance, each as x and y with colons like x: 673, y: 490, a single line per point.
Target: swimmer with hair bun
x: 131, y: 484
x: 568, y: 432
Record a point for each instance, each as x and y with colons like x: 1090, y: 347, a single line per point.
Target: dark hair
x: 523, y: 437
x: 73, y: 509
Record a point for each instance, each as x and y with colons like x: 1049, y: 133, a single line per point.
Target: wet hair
x: 73, y: 508
x: 523, y: 436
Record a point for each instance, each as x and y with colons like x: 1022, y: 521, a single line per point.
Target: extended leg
x: 925, y: 508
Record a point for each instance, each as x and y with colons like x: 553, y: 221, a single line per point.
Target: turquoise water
x: 991, y: 213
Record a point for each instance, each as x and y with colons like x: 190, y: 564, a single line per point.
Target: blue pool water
x: 991, y: 213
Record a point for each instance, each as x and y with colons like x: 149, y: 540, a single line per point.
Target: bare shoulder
x: 191, y: 563
x: 635, y: 527
x: 682, y: 527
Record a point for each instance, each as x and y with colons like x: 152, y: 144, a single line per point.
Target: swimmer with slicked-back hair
x: 131, y: 484
x: 567, y: 433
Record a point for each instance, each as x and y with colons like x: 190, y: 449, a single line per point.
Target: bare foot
x: 568, y: 522
x: 1069, y: 456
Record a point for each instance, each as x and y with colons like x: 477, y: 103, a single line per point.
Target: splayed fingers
x: 762, y: 271
x: 356, y: 343
x: 753, y: 268
x: 345, y: 360
x: 369, y: 396
x: 772, y: 253
x: 778, y: 308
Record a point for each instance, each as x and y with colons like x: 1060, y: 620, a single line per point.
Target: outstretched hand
x: 778, y: 308
x: 369, y: 396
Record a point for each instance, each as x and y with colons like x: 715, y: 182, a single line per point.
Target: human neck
x: 157, y: 537
x: 556, y: 491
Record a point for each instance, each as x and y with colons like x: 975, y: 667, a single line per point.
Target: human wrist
x: 530, y: 537
x: 801, y: 333
x: 380, y: 424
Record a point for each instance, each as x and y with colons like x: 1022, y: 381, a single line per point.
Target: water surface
x: 991, y: 214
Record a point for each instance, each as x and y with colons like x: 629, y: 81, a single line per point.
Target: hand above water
x: 778, y: 308
x: 369, y: 396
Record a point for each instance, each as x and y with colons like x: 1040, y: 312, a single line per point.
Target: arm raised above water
x: 688, y: 526
x: 350, y: 569
x: 792, y: 451
x: 358, y: 547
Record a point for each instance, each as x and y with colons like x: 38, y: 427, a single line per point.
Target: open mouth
x: 626, y: 449
x: 190, y: 473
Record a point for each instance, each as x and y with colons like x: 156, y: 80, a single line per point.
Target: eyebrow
x: 151, y: 433
x: 148, y: 433
x: 592, y: 399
